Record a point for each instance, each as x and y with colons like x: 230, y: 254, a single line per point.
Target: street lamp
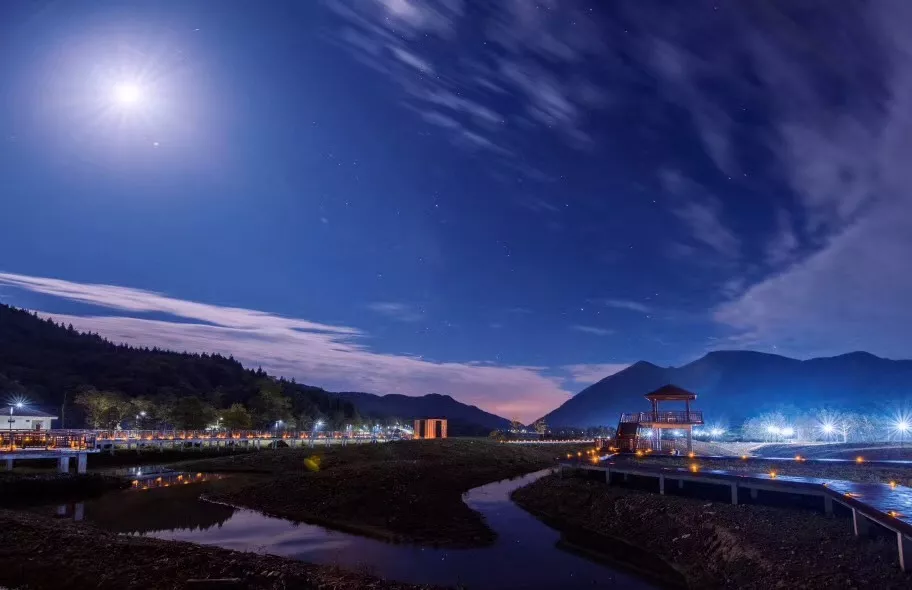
x: 902, y: 426
x: 18, y: 406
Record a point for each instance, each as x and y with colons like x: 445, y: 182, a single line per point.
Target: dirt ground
x: 717, y: 545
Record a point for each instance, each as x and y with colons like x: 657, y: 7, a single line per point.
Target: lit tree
x: 236, y: 417
x: 103, y: 409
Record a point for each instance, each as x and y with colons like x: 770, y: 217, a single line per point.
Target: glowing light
x: 799, y: 458
x: 893, y: 484
x: 828, y: 428
x: 127, y: 93
x: 773, y: 474
x: 894, y: 513
x: 691, y: 454
x: 694, y: 467
x: 639, y: 453
x: 902, y: 426
x: 744, y: 457
x: 716, y: 432
x: 859, y: 459
x: 772, y: 429
x: 788, y: 432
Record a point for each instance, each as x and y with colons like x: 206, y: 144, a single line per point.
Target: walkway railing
x: 215, y: 435
x: 62, y: 440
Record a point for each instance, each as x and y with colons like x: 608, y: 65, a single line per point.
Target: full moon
x: 127, y: 94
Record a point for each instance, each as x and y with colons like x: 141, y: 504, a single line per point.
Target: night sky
x: 502, y: 201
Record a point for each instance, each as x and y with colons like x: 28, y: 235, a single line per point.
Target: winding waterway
x: 527, y: 553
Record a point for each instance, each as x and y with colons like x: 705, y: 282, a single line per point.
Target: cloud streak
x: 590, y: 373
x: 311, y: 352
x: 594, y: 330
x: 397, y: 311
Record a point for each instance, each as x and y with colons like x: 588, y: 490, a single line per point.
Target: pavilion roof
x: 671, y: 393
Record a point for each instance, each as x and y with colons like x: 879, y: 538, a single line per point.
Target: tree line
x: 90, y: 381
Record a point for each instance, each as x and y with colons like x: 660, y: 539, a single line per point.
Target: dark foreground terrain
x: 403, y: 491
x: 18, y: 487
x: 717, y: 545
x: 39, y: 552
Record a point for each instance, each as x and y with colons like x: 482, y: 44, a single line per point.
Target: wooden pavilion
x: 633, y: 426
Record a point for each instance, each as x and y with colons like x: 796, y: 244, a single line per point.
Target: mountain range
x: 734, y: 385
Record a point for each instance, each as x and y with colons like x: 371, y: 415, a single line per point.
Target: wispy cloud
x: 592, y: 330
x: 703, y: 217
x: 398, y: 311
x: 626, y: 304
x: 847, y: 164
x: 535, y: 55
x: 311, y: 352
x: 590, y: 373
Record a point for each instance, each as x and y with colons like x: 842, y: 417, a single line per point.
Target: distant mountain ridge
x: 735, y: 384
x: 462, y: 419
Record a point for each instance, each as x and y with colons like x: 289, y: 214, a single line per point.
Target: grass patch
x: 401, y: 491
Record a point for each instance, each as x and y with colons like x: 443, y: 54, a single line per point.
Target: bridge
x: 63, y: 445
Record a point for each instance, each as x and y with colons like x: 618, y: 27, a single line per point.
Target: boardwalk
x: 884, y: 505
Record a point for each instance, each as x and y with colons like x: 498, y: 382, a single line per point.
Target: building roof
x: 26, y: 412
x: 671, y: 393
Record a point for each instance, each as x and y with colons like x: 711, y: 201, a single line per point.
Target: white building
x: 26, y: 419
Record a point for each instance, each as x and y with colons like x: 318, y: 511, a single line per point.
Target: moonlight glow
x: 127, y: 94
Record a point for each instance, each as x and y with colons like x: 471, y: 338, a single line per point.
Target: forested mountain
x: 51, y: 364
x: 734, y: 385
x: 90, y: 381
x: 462, y: 419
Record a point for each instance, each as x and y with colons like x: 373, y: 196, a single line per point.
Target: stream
x: 527, y: 553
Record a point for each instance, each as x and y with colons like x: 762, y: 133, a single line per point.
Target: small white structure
x: 26, y: 419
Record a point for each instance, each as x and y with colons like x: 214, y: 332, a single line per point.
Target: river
x: 527, y: 553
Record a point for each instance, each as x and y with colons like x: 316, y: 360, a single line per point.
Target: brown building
x: 430, y: 428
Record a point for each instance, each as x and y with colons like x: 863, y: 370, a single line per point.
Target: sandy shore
x: 38, y: 552
x: 717, y: 545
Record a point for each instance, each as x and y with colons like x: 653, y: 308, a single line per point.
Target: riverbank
x: 409, y: 491
x: 29, y: 488
x: 717, y: 545
x: 39, y: 552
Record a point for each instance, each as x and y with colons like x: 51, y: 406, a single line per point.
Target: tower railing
x: 663, y: 417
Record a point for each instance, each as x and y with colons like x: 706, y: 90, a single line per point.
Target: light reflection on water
x: 525, y: 554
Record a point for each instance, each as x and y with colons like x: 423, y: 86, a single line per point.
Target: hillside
x: 733, y: 385
x: 463, y: 420
x: 50, y: 363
